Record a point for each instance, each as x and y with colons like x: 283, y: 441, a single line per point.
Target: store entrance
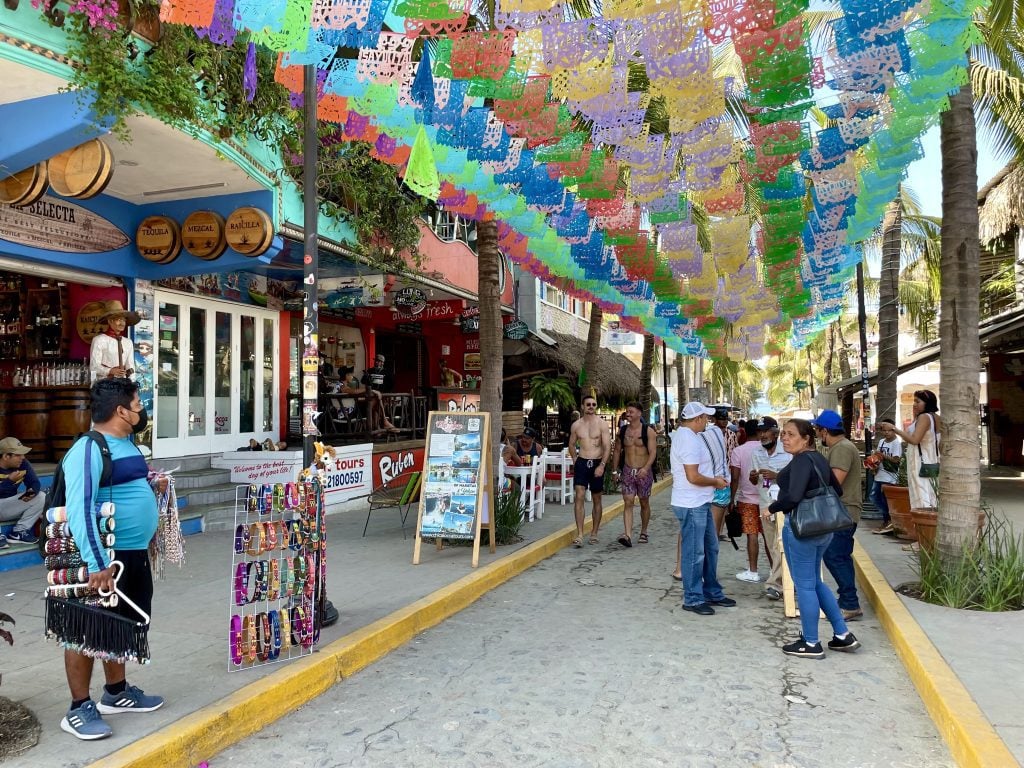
x: 216, y: 375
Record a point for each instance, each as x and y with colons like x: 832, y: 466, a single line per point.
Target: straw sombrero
x: 116, y: 309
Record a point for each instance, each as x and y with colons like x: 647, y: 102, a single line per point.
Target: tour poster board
x: 456, y: 492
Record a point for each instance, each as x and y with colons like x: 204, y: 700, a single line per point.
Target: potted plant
x: 898, y: 497
x: 549, y: 391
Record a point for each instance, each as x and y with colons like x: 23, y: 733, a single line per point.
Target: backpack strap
x: 108, y: 462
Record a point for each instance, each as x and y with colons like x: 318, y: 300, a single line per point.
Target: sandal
x: 643, y: 539
x: 578, y: 542
x: 593, y: 539
x: 625, y: 541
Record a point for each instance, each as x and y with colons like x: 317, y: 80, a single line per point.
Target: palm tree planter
x: 898, y: 497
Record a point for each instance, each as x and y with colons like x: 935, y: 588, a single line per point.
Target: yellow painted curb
x: 971, y: 738
x: 201, y: 735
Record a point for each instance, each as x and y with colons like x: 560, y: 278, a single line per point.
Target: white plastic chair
x: 537, y: 486
x: 558, y: 479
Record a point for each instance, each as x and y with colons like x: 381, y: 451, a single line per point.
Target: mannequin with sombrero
x: 111, y: 353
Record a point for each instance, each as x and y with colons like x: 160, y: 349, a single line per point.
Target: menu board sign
x: 456, y: 472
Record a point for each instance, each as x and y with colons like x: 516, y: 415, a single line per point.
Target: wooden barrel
x: 250, y: 231
x: 24, y: 187
x: 28, y: 416
x: 83, y: 171
x: 202, y: 234
x: 158, y: 239
x: 70, y: 416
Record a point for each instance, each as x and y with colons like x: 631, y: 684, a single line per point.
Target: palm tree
x: 491, y: 347
x: 646, y: 371
x: 593, y: 348
x: 959, y: 345
x: 996, y: 78
x: 888, y: 312
x: 910, y: 247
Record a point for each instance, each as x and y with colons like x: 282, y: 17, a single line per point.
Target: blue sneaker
x: 22, y: 537
x: 131, y: 699
x: 86, y: 723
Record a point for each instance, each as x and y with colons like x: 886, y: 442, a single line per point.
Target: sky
x: 924, y: 176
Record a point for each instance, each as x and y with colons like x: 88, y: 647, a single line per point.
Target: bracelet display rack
x: 277, y: 571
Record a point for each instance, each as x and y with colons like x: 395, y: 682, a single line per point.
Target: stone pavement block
x: 588, y: 660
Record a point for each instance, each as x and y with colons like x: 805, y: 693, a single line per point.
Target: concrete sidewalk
x: 384, y: 600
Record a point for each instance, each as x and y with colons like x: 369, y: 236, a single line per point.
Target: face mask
x: 142, y: 423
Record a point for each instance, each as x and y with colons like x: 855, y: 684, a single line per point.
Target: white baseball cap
x: 693, y: 409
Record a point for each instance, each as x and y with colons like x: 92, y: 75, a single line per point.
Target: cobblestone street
x: 588, y: 660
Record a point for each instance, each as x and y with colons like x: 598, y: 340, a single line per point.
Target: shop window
x: 222, y: 376
x: 248, y: 371
x: 268, y: 375
x: 197, y: 372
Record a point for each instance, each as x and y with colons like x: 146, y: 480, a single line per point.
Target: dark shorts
x: 583, y: 475
x: 136, y: 582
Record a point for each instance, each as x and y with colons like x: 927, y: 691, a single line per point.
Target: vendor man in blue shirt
x: 117, y: 414
x: 21, y: 507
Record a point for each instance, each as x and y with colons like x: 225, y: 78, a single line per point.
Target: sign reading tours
x: 456, y: 481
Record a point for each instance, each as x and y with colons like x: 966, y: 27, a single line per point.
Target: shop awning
x: 993, y: 333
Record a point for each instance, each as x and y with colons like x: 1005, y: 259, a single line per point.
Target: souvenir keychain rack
x: 278, y: 552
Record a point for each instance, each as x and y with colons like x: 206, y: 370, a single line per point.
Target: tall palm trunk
x: 491, y: 353
x: 646, y: 369
x: 959, y: 346
x: 593, y: 347
x: 830, y: 359
x: 888, y: 311
x: 682, y: 393
x: 844, y: 353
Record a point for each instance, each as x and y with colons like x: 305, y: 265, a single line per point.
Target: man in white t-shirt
x: 768, y: 460
x: 892, y: 451
x: 694, y: 483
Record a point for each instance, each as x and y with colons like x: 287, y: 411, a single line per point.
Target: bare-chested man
x: 637, y: 445
x: 589, y: 446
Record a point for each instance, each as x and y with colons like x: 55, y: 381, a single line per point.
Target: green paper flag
x: 421, y: 171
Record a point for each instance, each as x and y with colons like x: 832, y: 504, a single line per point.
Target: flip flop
x: 643, y: 538
x: 593, y: 539
x: 676, y: 578
x: 625, y: 541
x: 577, y: 542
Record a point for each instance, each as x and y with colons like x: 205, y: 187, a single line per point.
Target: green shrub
x: 508, y: 515
x: 989, y: 576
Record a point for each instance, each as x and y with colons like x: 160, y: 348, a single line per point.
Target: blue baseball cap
x: 828, y: 420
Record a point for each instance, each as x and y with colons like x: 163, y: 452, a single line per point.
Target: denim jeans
x: 699, y: 564
x: 882, y: 503
x: 839, y: 561
x: 804, y: 559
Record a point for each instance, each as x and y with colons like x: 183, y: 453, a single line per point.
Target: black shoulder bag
x: 820, y: 511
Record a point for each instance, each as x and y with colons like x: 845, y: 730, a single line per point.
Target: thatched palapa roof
x: 616, y: 377
x: 1001, y: 203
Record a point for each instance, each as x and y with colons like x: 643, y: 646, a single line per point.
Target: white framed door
x: 216, y: 370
